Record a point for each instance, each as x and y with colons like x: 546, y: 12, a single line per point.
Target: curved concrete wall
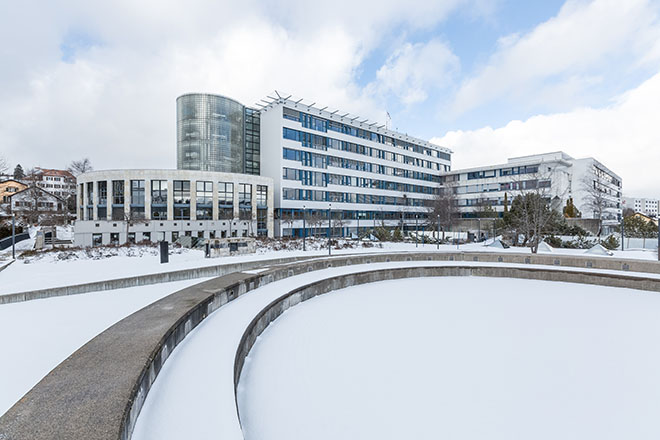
x: 98, y: 392
x: 271, y: 312
x: 577, y: 261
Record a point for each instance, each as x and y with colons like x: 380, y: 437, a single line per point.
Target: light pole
x: 438, y: 233
x: 622, y: 232
x: 329, y: 226
x: 416, y: 230
x: 13, y: 235
x: 479, y: 226
x: 304, y: 227
x: 358, y: 225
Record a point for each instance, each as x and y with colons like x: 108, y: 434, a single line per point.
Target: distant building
x: 8, y: 188
x: 649, y: 207
x: 60, y: 183
x: 34, y: 201
x: 558, y: 176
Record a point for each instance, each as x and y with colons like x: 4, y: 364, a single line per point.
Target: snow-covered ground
x: 193, y: 395
x: 459, y: 358
x: 55, y: 269
x: 37, y: 335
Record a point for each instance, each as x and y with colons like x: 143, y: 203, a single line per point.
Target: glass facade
x: 215, y: 133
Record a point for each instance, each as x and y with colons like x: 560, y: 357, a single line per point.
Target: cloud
x: 101, y: 79
x: 414, y: 69
x: 624, y: 136
x: 584, y: 37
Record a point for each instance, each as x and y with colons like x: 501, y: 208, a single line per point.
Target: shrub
x: 610, y: 243
x: 553, y: 241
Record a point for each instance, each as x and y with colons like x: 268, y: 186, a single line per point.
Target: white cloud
x: 583, y: 37
x: 114, y: 101
x: 624, y: 136
x: 414, y: 69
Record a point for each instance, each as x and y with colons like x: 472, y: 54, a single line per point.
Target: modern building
x: 363, y: 173
x: 648, y: 207
x: 119, y: 206
x: 556, y: 175
x: 216, y: 133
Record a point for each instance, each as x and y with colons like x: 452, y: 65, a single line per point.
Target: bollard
x: 164, y: 252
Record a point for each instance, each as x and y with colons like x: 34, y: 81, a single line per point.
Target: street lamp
x: 304, y: 227
x: 438, y: 233
x: 416, y: 230
x: 13, y: 235
x: 358, y: 225
x: 329, y: 226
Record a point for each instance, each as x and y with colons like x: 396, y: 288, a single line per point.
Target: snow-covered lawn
x: 37, y: 335
x: 506, y: 323
x: 55, y: 269
x: 459, y: 358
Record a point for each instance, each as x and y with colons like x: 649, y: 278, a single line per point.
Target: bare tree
x: 595, y: 199
x: 4, y: 165
x: 78, y: 167
x: 314, y: 220
x: 443, y: 208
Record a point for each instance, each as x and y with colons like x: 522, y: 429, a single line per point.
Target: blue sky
x: 490, y: 79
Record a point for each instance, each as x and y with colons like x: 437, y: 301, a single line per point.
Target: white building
x: 34, y: 200
x: 557, y: 175
x: 119, y: 206
x: 58, y: 182
x: 364, y: 173
x: 645, y: 206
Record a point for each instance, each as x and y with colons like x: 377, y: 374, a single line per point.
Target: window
x: 244, y: 194
x: 181, y: 192
x: 117, y: 192
x: 159, y: 192
x: 114, y: 237
x: 146, y: 236
x: 137, y: 192
x: 204, y: 199
x: 262, y: 196
x: 103, y: 192
x: 97, y: 239
x: 225, y: 200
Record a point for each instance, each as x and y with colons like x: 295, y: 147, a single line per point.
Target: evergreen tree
x: 570, y: 210
x: 18, y: 172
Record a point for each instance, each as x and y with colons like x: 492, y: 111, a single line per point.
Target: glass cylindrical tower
x: 210, y: 133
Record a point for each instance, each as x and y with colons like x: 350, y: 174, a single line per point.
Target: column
x: 170, y: 199
x: 147, y: 199
x: 193, y: 200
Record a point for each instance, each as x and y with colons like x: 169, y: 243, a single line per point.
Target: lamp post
x: 329, y: 226
x: 416, y: 230
x: 479, y: 226
x: 622, y: 232
x: 304, y: 227
x: 358, y: 225
x: 13, y: 235
x: 438, y: 233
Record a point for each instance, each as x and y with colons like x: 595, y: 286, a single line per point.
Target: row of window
x: 342, y: 197
x: 181, y: 193
x: 323, y: 143
x: 507, y: 186
x: 309, y: 159
x: 509, y: 171
x: 314, y: 216
x: 315, y: 178
x: 323, y: 125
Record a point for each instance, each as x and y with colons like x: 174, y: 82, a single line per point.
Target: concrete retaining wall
x: 219, y: 270
x: 98, y: 392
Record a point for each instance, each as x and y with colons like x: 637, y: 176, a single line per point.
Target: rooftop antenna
x: 388, y: 120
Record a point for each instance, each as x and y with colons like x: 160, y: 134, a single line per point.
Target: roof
x: 53, y: 172
x: 13, y: 180
x: 40, y: 189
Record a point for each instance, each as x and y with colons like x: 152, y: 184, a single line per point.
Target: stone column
x: 108, y: 202
x: 216, y: 211
x: 95, y: 201
x: 127, y: 198
x: 170, y: 199
x: 193, y: 200
x: 147, y: 199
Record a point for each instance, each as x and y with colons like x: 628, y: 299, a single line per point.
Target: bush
x: 553, y: 241
x: 610, y: 243
x: 5, y: 230
x: 382, y: 234
x: 397, y: 236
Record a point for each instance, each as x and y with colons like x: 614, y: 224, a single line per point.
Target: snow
x: 545, y: 247
x: 598, y: 249
x: 463, y: 358
x: 193, y: 396
x: 56, y: 269
x: 39, y: 334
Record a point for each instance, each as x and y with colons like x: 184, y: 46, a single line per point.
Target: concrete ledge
x: 606, y: 263
x: 98, y: 392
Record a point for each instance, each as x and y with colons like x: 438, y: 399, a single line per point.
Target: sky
x: 488, y: 79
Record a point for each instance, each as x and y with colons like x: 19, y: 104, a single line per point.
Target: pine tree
x: 18, y: 172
